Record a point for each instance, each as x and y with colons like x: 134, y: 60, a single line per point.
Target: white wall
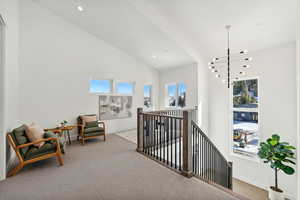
x: 298, y: 97
x: 57, y: 60
x: 276, y: 70
x: 9, y: 11
x: 186, y: 74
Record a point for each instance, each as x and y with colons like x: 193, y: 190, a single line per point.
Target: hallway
x: 105, y: 170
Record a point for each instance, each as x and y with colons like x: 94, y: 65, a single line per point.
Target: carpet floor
x: 110, y: 170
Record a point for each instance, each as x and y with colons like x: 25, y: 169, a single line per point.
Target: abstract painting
x: 115, y: 107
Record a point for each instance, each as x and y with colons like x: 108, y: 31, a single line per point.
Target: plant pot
x: 275, y: 193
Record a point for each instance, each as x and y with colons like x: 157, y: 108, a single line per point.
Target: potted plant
x: 63, y: 123
x: 278, y: 155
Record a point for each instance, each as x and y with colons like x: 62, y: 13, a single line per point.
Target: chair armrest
x: 99, y: 122
x: 38, y: 141
x: 81, y: 129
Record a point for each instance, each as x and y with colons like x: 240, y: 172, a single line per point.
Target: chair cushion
x: 93, y: 134
x: 88, y: 118
x: 35, y: 152
x: 92, y: 124
x: 50, y: 134
x: 19, y: 136
x: 34, y: 133
x: 93, y: 130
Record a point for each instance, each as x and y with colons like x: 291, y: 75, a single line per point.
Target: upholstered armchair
x: 89, y: 127
x: 28, y: 153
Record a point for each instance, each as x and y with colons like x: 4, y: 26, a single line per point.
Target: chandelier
x: 221, y: 66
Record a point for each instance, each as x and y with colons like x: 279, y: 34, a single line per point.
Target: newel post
x: 140, y: 131
x: 230, y: 175
x: 187, y: 164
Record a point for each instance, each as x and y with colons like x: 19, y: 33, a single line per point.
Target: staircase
x: 173, y: 138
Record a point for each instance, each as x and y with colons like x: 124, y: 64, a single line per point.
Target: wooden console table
x: 64, y: 131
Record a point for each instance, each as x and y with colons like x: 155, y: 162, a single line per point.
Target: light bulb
x: 214, y: 71
x: 246, y: 66
x: 244, y: 52
x: 218, y: 75
x: 80, y: 8
x: 242, y: 73
x: 248, y: 59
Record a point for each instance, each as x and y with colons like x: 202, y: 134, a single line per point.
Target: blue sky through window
x: 125, y: 88
x: 171, y: 90
x: 147, y: 90
x: 181, y: 89
x: 100, y: 86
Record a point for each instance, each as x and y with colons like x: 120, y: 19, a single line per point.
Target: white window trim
x: 176, y: 95
x: 231, y: 110
x: 102, y: 93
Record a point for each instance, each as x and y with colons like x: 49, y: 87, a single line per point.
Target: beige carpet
x: 110, y: 170
x: 239, y: 187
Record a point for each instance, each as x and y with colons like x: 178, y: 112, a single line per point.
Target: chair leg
x: 82, y: 141
x: 60, y: 160
x: 15, y: 170
x: 104, y: 137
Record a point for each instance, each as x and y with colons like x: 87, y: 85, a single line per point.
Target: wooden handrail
x: 209, y: 141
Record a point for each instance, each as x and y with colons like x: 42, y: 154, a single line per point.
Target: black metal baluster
x: 160, y: 124
x: 198, y: 145
x: 176, y: 129
x: 180, y: 121
x: 171, y: 132
x: 164, y: 139
x: 167, y: 140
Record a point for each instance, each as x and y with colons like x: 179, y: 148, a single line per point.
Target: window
x: 100, y: 86
x: 181, y: 95
x: 147, y: 96
x: 245, y: 127
x: 125, y: 88
x: 172, y: 93
x: 176, y: 95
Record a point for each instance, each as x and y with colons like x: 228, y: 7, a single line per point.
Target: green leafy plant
x: 63, y: 123
x: 279, y: 154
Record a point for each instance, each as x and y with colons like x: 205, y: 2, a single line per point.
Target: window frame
x: 166, y: 96
x: 115, y: 89
x: 103, y: 79
x: 151, y: 96
x: 231, y: 120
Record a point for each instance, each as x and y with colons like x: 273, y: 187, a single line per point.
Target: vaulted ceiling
x: 142, y: 33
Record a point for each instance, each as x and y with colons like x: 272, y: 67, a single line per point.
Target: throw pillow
x: 34, y: 133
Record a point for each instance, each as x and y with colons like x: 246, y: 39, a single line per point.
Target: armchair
x: 28, y: 153
x: 90, y: 129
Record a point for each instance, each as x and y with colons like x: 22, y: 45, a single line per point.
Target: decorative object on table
x: 28, y: 153
x: 63, y: 131
x: 115, y: 107
x: 279, y: 155
x: 222, y: 66
x: 63, y: 123
x: 89, y: 129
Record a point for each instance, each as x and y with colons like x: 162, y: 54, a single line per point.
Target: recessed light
x: 154, y: 57
x: 80, y: 8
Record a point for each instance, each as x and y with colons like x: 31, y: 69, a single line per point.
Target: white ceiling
x: 120, y: 24
x: 256, y: 24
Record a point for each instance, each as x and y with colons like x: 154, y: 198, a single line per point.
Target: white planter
x: 274, y: 195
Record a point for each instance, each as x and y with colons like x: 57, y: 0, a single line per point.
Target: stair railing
x: 174, y: 139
